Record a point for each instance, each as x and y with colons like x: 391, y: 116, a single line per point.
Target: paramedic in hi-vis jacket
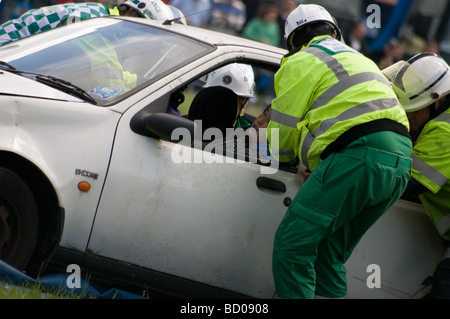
x: 422, y: 85
x: 338, y: 114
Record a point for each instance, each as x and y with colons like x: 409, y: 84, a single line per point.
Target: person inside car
x: 239, y: 78
x: 233, y: 85
x: 217, y: 108
x: 221, y: 104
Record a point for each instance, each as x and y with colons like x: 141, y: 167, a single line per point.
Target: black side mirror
x: 165, y: 126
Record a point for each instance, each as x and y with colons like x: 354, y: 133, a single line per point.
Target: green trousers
x: 342, y: 198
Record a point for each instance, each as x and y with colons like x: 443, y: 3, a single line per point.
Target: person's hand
x: 261, y: 122
x: 305, y: 174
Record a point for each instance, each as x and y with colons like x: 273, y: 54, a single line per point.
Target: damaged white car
x: 88, y: 175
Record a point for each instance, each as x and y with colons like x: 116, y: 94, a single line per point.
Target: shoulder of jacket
x: 331, y: 45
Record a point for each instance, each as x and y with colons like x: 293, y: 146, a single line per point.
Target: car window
x: 110, y: 60
x: 238, y: 142
x: 168, y: 118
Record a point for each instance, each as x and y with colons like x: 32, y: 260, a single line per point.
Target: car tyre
x: 19, y: 221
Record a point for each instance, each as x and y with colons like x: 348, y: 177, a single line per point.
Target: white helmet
x: 303, y: 16
x: 150, y: 9
x: 237, y: 77
x: 420, y: 81
x: 177, y: 15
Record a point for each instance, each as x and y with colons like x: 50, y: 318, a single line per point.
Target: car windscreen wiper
x: 65, y: 86
x: 54, y: 82
x: 9, y: 66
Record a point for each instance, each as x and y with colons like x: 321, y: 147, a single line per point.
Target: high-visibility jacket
x: 431, y: 167
x: 105, y: 64
x: 327, y: 96
x: 114, y: 11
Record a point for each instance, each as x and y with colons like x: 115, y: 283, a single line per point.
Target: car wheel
x: 19, y: 222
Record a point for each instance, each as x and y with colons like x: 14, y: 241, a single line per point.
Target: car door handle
x: 270, y: 183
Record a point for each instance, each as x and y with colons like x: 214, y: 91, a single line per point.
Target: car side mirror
x: 165, y: 126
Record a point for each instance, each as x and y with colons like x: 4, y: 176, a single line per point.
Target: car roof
x: 210, y: 37
x: 204, y: 35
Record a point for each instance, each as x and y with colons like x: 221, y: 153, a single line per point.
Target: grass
x: 38, y: 290
x: 35, y: 291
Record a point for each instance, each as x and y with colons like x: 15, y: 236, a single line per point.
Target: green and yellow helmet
x: 150, y: 9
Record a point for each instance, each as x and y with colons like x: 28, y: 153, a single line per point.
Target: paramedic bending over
x: 336, y: 111
x: 422, y: 85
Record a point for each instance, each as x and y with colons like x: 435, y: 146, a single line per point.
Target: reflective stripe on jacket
x: 323, y: 91
x: 431, y: 167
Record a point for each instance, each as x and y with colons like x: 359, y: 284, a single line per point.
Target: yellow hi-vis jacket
x: 105, y: 64
x: 326, y: 92
x: 431, y: 167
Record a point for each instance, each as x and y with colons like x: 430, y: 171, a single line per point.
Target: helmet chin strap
x: 241, y: 103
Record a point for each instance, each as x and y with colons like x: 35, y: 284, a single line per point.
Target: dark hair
x: 216, y: 106
x: 311, y: 30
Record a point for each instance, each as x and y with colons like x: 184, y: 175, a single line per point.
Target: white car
x: 93, y: 174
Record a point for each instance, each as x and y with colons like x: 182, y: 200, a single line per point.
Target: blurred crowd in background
x: 407, y: 27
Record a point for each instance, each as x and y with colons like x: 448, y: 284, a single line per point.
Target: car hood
x: 13, y: 84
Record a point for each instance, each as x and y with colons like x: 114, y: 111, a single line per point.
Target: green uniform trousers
x: 342, y: 198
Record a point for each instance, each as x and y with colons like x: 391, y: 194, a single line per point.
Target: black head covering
x: 216, y: 106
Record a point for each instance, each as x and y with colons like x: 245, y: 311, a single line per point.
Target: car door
x: 208, y: 218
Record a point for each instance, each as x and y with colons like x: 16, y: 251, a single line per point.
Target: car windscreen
x: 107, y: 59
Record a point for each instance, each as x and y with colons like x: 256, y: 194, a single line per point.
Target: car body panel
x: 60, y: 138
x: 13, y: 84
x: 205, y: 222
x: 404, y: 246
